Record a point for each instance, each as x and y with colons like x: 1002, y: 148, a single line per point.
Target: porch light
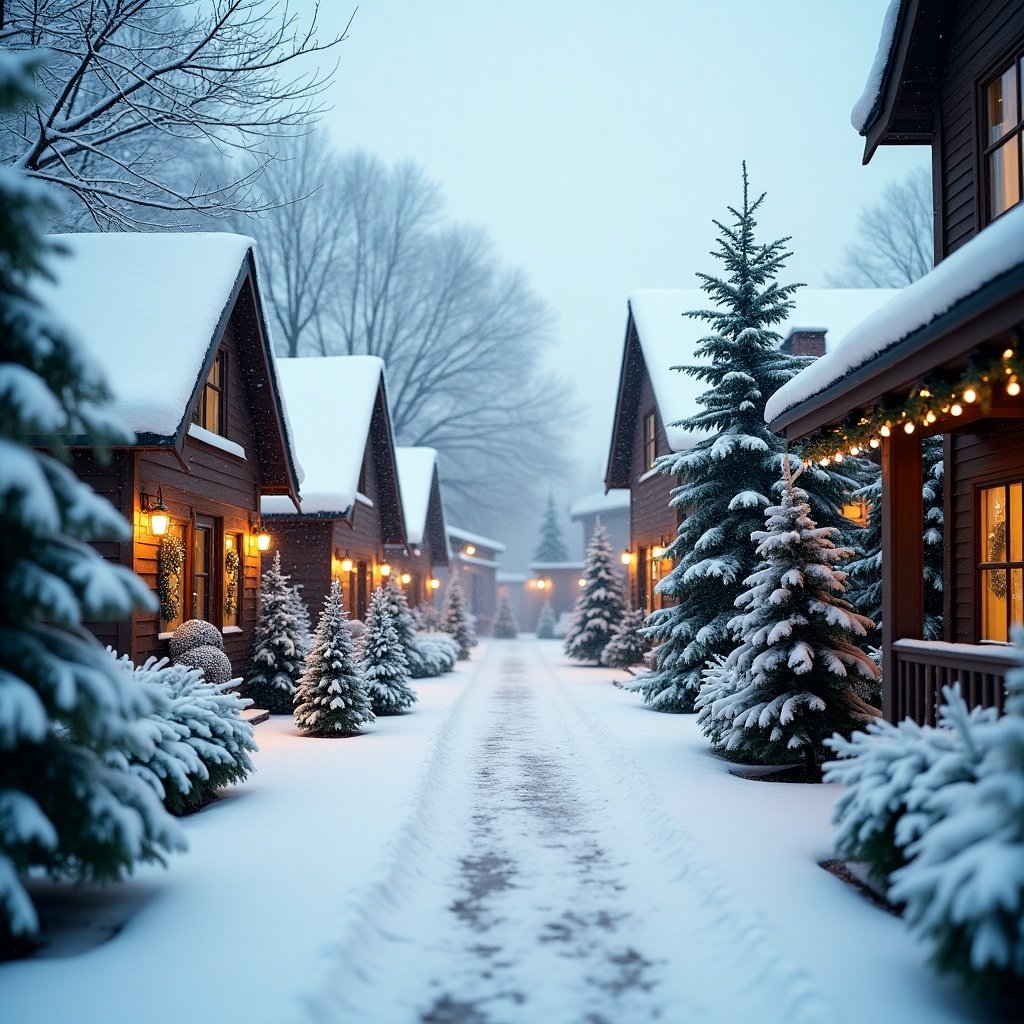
x: 263, y: 541
x: 406, y: 579
x: 157, y: 511
x: 385, y: 570
x: 627, y: 557
x: 541, y: 584
x: 582, y: 582
x: 347, y: 563
x: 469, y: 549
x: 433, y: 583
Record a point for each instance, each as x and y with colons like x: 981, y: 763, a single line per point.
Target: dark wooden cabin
x: 611, y: 510
x: 177, y: 324
x: 652, y: 397
x: 351, y: 526
x: 426, y: 533
x: 949, y: 75
x: 475, y: 559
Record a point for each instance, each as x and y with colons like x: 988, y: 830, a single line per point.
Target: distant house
x: 611, y: 510
x: 557, y: 582
x: 475, y: 559
x: 351, y: 527
x: 425, y: 530
x: 652, y: 396
x: 176, y: 322
x: 945, y: 355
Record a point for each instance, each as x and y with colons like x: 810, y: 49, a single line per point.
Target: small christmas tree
x: 505, y: 626
x: 798, y: 676
x: 402, y: 619
x: 600, y: 607
x: 455, y: 618
x: 546, y: 622
x: 550, y: 546
x: 305, y: 625
x: 331, y: 698
x: 384, y: 667
x: 627, y: 645
x: 278, y: 644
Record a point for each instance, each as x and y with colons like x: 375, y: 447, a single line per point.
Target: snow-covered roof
x: 995, y: 251
x: 416, y: 477
x: 864, y: 109
x: 465, y: 537
x: 616, y: 498
x: 331, y: 399
x: 552, y: 566
x: 511, y: 577
x: 667, y: 339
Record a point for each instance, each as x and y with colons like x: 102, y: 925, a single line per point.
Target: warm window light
x: 657, y: 552
x: 469, y: 549
x: 157, y: 511
x: 263, y: 541
x: 406, y: 579
x: 433, y: 583
x: 385, y: 569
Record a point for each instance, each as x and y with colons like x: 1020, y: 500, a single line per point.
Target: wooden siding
x: 984, y: 34
x: 305, y: 548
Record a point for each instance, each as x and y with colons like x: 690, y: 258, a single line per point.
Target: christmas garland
x: 231, y: 563
x: 171, y: 563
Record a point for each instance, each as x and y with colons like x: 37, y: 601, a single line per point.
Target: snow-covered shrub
x: 331, y: 698
x: 278, y: 644
x: 427, y: 618
x: 600, y: 606
x: 194, y: 633
x: 356, y: 628
x: 211, y: 661
x: 432, y: 654
x: 385, y: 670
x: 627, y: 645
x: 546, y: 622
x: 505, y: 626
x: 455, y: 618
x: 201, y: 742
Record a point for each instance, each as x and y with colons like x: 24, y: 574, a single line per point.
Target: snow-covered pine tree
x: 798, y: 676
x: 550, y: 546
x: 278, y: 644
x: 546, y: 622
x: 401, y: 616
x: 66, y: 706
x: 600, y: 606
x: 505, y: 625
x: 331, y: 698
x: 727, y: 477
x: 301, y: 613
x: 626, y: 647
x: 385, y: 670
x: 455, y: 618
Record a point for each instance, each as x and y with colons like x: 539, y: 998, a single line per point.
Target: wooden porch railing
x: 924, y: 667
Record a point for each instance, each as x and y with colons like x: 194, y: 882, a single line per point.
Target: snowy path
x: 537, y: 881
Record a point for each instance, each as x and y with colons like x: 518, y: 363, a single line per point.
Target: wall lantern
x: 346, y: 562
x: 469, y: 549
x: 433, y: 583
x: 542, y: 584
x: 158, y: 512
x: 406, y: 579
x: 261, y: 535
x: 385, y: 570
x: 627, y: 557
x: 582, y: 582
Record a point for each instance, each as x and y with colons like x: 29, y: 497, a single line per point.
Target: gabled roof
x: 421, y: 500
x: 465, y: 537
x: 151, y: 308
x: 659, y: 337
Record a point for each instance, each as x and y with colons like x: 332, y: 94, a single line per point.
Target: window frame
x: 1012, y: 60
x: 981, y: 565
x: 650, y: 440
x: 199, y: 415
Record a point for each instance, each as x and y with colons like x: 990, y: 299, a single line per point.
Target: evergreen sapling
x: 600, y: 606
x: 505, y: 626
x: 546, y: 622
x: 627, y: 646
x: 455, y: 618
x: 384, y: 667
x: 550, y: 546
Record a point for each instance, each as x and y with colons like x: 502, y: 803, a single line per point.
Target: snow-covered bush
x: 627, y: 645
x: 211, y: 661
x: 546, y: 622
x: 201, y: 742
x: 505, y: 626
x: 455, y: 618
x: 432, y: 654
x: 600, y: 606
x: 194, y: 633
x: 427, y: 618
x: 385, y: 670
x: 302, y: 618
x: 331, y: 698
x: 278, y: 644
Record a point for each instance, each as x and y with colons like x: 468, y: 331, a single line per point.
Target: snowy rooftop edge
x: 995, y: 251
x: 475, y: 538
x: 416, y: 467
x: 599, y: 501
x: 867, y: 104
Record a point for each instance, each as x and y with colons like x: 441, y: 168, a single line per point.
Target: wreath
x: 997, y: 553
x: 170, y: 564
x: 231, y: 563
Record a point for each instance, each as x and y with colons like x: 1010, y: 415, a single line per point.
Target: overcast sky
x: 596, y: 140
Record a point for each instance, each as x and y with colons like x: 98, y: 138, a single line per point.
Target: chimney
x: 805, y: 342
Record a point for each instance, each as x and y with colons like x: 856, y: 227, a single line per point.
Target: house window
x: 650, y: 441
x: 202, y: 569
x: 210, y: 410
x: 233, y: 578
x: 856, y: 512
x: 653, y: 567
x: 1001, y: 560
x: 1004, y: 131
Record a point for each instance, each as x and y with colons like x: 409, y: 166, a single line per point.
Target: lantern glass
x: 406, y: 579
x: 262, y: 541
x: 385, y: 569
x: 627, y: 558
x: 434, y: 583
x: 158, y: 523
x: 346, y: 564
x: 470, y: 549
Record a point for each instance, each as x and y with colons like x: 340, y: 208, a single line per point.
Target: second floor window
x: 650, y: 441
x: 210, y: 410
x: 1004, y: 130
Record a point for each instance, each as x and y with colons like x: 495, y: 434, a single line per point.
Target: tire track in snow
x: 536, y: 879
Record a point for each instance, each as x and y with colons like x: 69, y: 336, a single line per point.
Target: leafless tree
x: 133, y: 85
x: 894, y: 238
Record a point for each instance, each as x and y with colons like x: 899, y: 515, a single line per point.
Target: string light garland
x: 939, y: 395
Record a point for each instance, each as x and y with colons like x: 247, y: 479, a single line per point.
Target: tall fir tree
x: 550, y: 546
x: 727, y: 477
x: 278, y: 644
x: 455, y: 618
x: 600, y: 606
x: 305, y: 624
x: 331, y: 698
x: 67, y: 710
x: 384, y: 666
x: 798, y: 675
x: 505, y: 625
x: 401, y: 615
x: 546, y: 622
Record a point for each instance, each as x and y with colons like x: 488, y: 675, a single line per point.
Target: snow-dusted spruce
x: 550, y: 546
x: 505, y: 626
x: 455, y: 618
x: 727, y: 477
x: 331, y: 698
x: 546, y: 622
x: 384, y: 667
x: 301, y: 613
x: 65, y: 704
x: 278, y: 644
x: 797, y: 676
x: 202, y: 742
x: 626, y: 647
x: 600, y: 606
x: 405, y: 628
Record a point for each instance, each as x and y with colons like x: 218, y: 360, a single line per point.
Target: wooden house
x: 425, y: 530
x: 652, y: 397
x: 475, y: 560
x: 176, y: 323
x: 351, y: 527
x: 611, y: 510
x: 944, y: 356
x: 556, y: 582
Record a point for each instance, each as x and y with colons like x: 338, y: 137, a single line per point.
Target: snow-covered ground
x: 530, y: 844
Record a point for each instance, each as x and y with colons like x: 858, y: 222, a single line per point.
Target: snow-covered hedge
x: 195, y: 633
x: 431, y: 654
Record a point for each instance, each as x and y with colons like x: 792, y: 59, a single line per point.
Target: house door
x: 202, y: 565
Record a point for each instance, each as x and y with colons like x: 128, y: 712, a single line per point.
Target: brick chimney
x: 804, y: 342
